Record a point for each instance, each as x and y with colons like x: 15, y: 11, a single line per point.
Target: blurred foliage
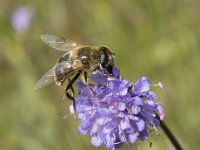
x: 158, y: 39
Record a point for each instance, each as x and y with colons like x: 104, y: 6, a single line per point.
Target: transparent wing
x: 47, y: 79
x: 58, y: 43
x: 57, y: 74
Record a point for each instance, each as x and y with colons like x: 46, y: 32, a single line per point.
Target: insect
x: 77, y: 60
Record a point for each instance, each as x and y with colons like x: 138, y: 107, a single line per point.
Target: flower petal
x: 116, y: 73
x: 99, y: 78
x: 132, y: 138
x: 109, y: 141
x: 160, y: 110
x: 96, y: 141
x: 143, y: 135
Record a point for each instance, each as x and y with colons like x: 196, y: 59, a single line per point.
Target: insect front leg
x: 85, y: 77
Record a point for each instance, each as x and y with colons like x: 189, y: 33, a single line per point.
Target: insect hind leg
x: 70, y: 86
x: 70, y: 95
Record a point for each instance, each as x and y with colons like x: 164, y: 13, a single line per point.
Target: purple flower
x: 21, y: 19
x: 115, y: 111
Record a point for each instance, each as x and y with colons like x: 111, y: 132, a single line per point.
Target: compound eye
x: 104, y: 59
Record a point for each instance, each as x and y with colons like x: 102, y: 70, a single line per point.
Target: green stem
x: 170, y: 135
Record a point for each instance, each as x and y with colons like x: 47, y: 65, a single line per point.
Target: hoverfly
x: 78, y: 59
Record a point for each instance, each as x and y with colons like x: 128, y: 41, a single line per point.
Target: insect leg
x: 85, y: 77
x: 73, y: 80
x: 69, y: 86
x: 70, y: 96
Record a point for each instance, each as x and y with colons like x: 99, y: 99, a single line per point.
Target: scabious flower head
x: 21, y: 18
x: 114, y: 111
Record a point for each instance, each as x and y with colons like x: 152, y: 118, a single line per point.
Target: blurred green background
x: 158, y: 38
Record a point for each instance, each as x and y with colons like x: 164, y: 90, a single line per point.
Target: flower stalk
x: 170, y: 135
